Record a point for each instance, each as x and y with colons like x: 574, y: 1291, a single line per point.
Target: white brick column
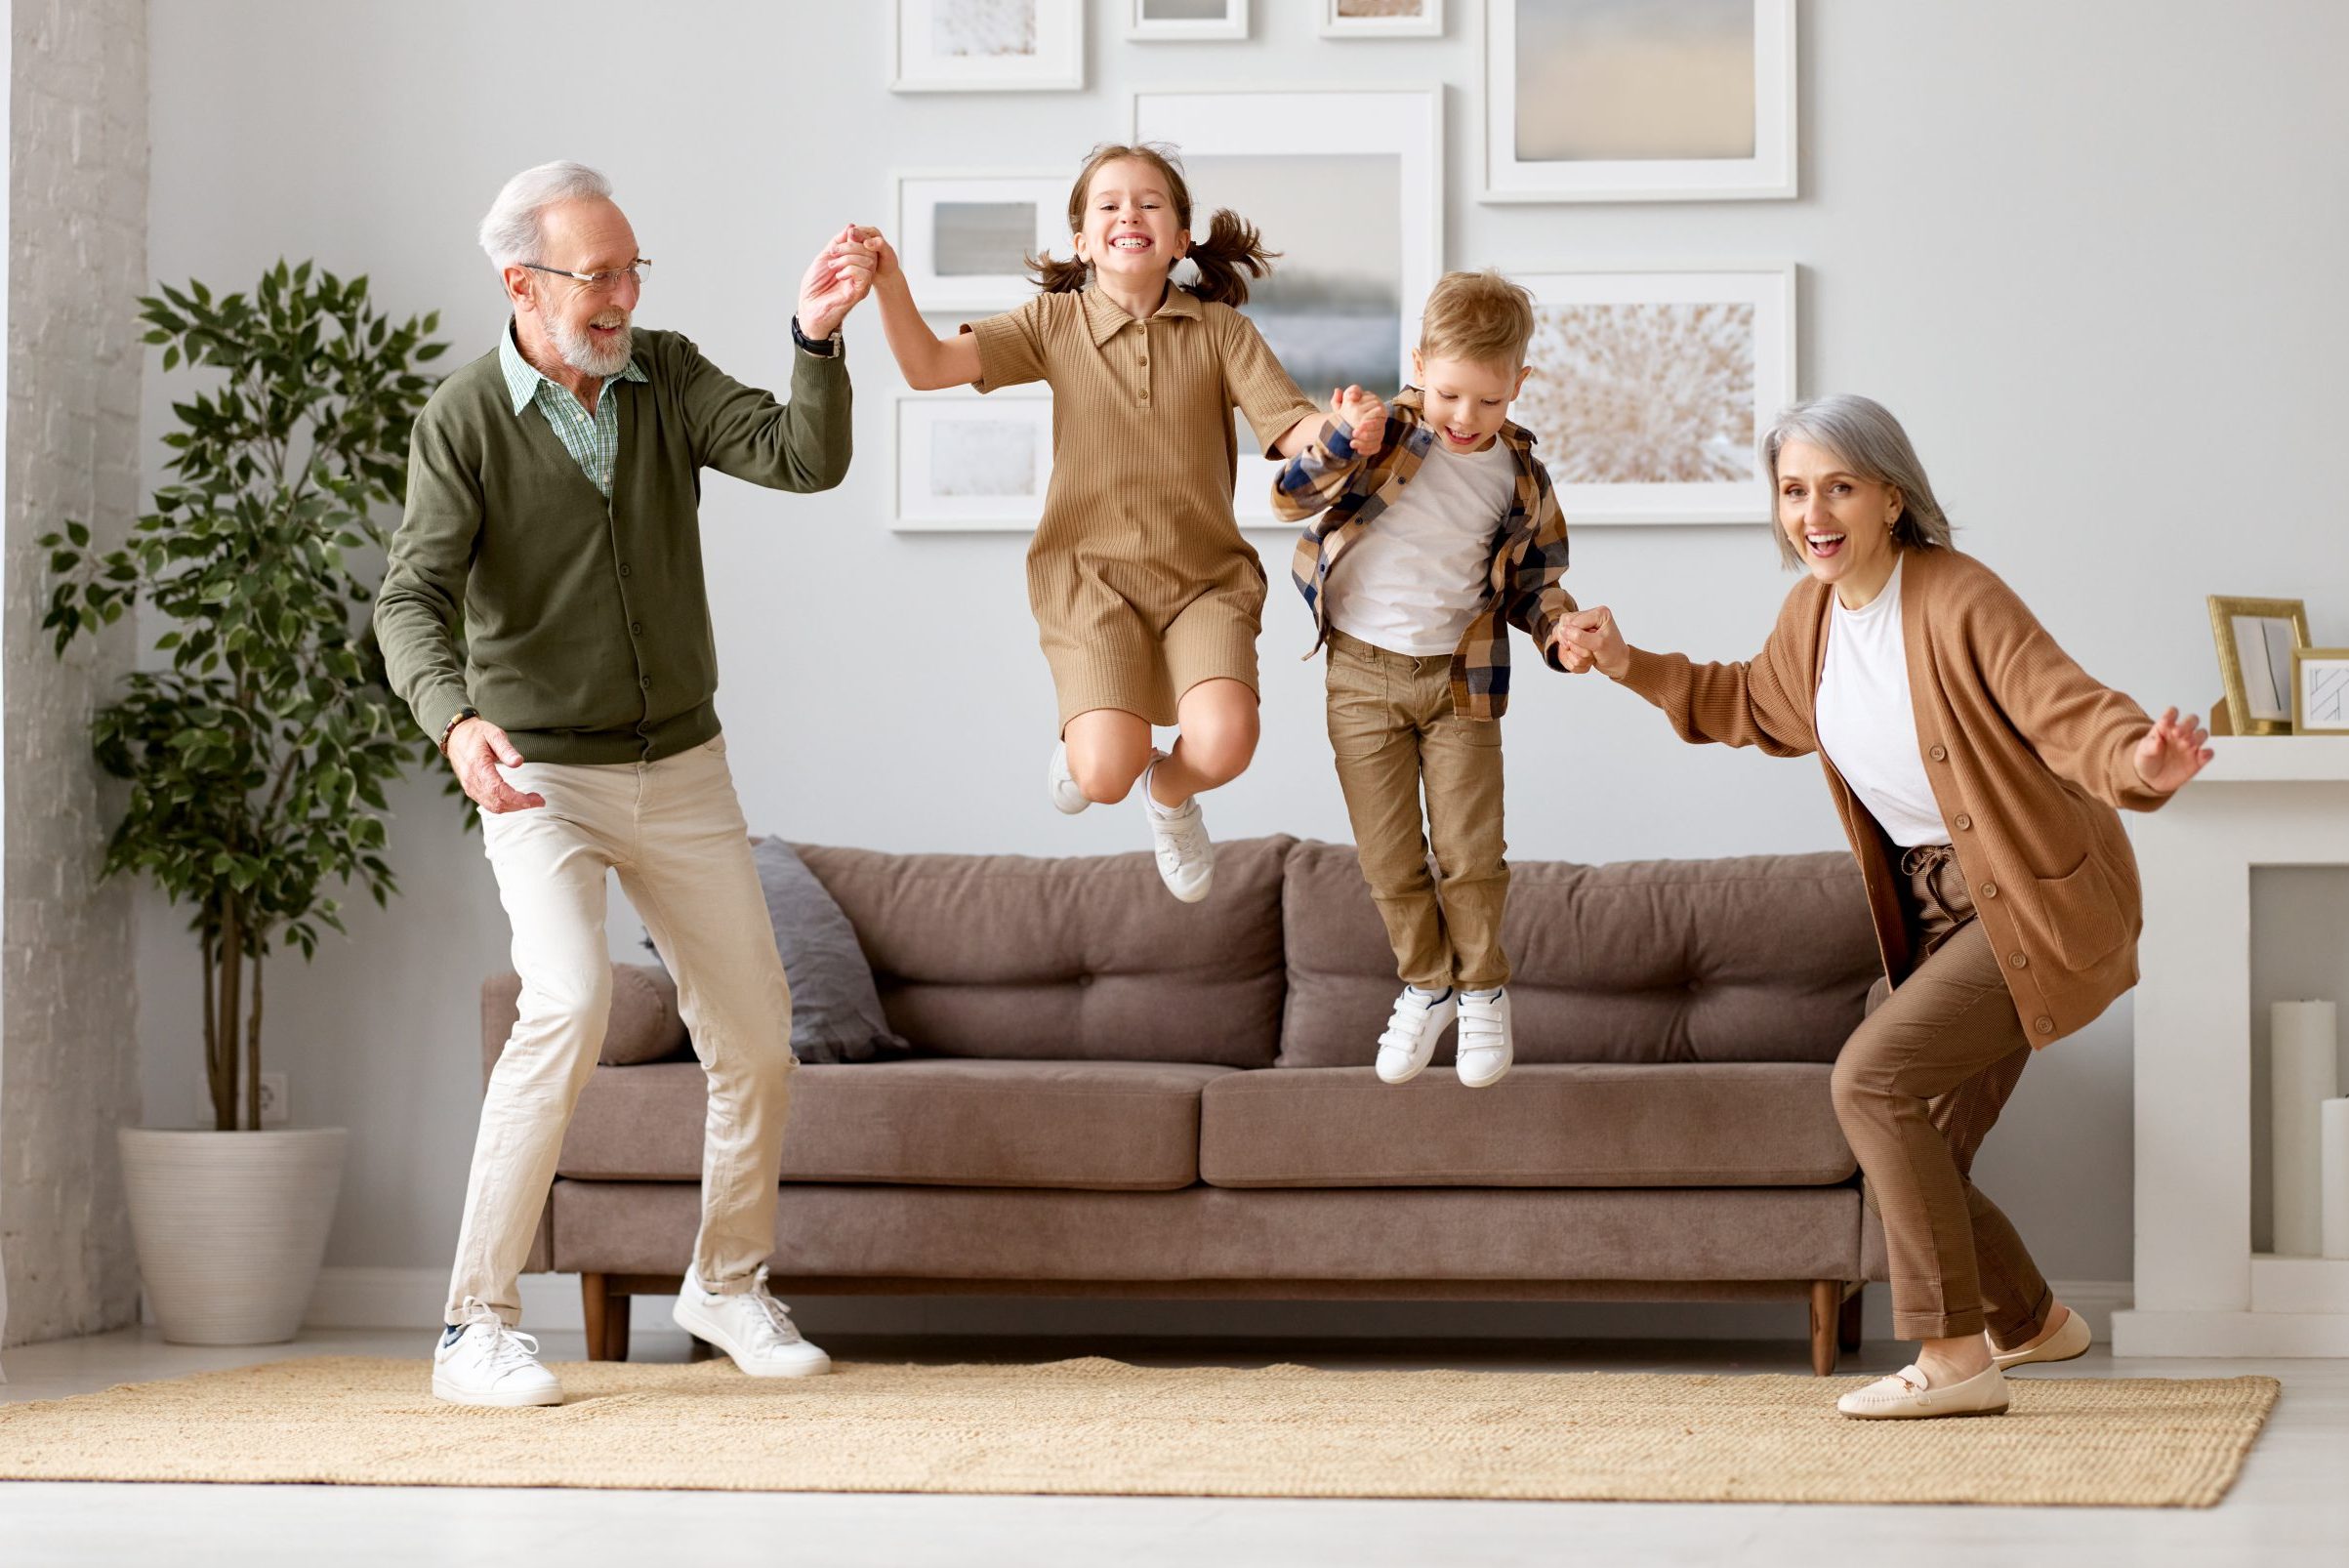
x: 76, y: 236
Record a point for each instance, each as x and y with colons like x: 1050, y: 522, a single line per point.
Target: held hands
x: 838, y: 277
x: 1589, y: 639
x: 475, y: 748
x: 885, y: 255
x: 1364, y: 413
x: 2172, y: 752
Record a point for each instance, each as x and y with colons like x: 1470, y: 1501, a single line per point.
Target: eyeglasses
x: 633, y: 271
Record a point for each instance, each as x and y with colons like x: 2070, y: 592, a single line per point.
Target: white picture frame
x: 1143, y: 29
x: 1369, y: 155
x: 976, y: 261
x: 1426, y: 22
x: 1006, y: 439
x: 976, y: 46
x: 1605, y: 341
x: 1515, y: 173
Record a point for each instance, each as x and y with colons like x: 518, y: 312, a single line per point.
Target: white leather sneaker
x: 1906, y: 1396
x: 752, y: 1327
x: 2069, y: 1342
x: 1063, y: 784
x: 1418, y: 1022
x: 1487, y: 1042
x: 488, y: 1363
x: 1187, y: 857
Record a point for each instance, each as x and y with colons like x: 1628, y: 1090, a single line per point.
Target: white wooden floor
x: 2291, y: 1506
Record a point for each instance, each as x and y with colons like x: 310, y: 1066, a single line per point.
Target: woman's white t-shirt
x: 1867, y: 721
x: 1420, y: 573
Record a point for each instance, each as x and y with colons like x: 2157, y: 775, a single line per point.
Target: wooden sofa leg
x: 607, y: 1312
x: 1826, y: 1307
x: 1847, y: 1322
x: 595, y: 1305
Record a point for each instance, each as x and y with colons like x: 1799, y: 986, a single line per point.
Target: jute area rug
x: 1105, y: 1427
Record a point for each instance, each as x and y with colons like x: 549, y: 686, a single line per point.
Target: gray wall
x: 77, y: 260
x: 2089, y: 253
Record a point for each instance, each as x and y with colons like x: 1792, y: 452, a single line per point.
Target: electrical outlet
x: 274, y: 1110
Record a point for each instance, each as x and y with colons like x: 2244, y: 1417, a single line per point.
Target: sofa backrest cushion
x: 1760, y: 958
x: 1085, y: 958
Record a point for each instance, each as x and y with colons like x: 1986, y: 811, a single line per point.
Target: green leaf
x: 79, y: 533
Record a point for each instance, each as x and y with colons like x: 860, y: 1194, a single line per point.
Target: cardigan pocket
x: 2082, y: 915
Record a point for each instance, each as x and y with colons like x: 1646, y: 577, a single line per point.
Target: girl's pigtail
x: 1056, y: 276
x: 1232, y: 247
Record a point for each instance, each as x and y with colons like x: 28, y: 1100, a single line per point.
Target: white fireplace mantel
x: 2200, y: 1291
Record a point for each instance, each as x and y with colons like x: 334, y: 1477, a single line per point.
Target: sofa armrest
x: 645, y: 1024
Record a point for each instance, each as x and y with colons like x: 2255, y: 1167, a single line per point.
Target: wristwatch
x: 821, y: 348
x: 450, y: 728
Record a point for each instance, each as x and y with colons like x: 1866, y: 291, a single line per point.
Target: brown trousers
x: 1393, y: 731
x: 1916, y: 1089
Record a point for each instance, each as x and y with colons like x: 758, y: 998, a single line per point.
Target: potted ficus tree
x: 256, y: 743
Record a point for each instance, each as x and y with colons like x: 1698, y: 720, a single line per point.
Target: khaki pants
x: 675, y: 833
x: 1916, y: 1089
x: 1393, y: 732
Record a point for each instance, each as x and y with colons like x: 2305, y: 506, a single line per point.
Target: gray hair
x: 1864, y: 438
x: 510, y: 232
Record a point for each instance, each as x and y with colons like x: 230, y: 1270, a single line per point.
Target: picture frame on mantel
x: 1667, y: 101
x: 2256, y: 641
x: 2321, y: 691
x: 989, y: 46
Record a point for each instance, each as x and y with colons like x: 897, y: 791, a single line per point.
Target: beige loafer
x: 2063, y: 1344
x: 1906, y: 1396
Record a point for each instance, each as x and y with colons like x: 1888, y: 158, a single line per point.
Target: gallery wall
x: 2087, y: 253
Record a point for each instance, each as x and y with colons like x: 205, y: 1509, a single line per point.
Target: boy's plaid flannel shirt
x: 1342, y: 493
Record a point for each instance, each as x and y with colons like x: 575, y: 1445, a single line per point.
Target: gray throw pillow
x: 836, y: 1012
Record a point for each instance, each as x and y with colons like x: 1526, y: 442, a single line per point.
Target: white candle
x: 2305, y: 1072
x: 2333, y: 1133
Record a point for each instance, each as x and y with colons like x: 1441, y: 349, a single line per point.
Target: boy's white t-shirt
x: 1419, y: 572
x: 1867, y: 722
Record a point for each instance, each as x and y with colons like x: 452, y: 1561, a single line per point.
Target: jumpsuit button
x: 1940, y: 754
x: 1990, y: 889
x: 2018, y: 960
x: 1965, y: 822
x: 2046, y: 1026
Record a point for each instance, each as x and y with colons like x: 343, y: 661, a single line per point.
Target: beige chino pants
x: 1393, y: 732
x: 1916, y: 1089
x: 675, y: 833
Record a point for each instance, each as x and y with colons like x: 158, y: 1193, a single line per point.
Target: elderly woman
x: 1977, y: 770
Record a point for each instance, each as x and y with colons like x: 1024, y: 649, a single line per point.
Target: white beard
x: 581, y: 352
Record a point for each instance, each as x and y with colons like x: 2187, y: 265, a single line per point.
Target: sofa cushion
x: 1132, y: 1126
x: 1686, y: 1125
x: 1763, y: 958
x: 1079, y: 959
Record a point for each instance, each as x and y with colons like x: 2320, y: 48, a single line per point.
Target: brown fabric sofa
x: 1119, y: 1094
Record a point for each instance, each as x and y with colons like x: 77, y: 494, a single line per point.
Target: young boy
x: 1437, y: 527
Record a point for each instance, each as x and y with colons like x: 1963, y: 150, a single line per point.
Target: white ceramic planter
x: 231, y: 1227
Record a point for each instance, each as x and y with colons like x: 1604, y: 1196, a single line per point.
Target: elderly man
x: 553, y: 490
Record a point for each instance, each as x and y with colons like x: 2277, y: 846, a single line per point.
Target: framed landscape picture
x: 1186, y: 21
x: 1347, y: 185
x: 1649, y: 389
x: 963, y: 238
x: 1382, y: 18
x: 981, y: 46
x: 1638, y: 99
x: 973, y: 463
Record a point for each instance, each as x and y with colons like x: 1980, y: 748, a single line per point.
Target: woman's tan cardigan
x: 2028, y: 758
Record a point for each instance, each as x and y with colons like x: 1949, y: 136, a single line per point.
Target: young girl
x: 1147, y: 600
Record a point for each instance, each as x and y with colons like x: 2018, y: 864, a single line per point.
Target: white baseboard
x: 413, y: 1297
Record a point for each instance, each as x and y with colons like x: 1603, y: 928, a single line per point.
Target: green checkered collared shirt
x: 591, y: 439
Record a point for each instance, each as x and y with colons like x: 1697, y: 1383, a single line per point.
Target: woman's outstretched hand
x: 2172, y: 752
x: 1589, y: 639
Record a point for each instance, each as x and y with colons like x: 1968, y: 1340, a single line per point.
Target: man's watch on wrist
x: 821, y: 348
x: 450, y: 728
